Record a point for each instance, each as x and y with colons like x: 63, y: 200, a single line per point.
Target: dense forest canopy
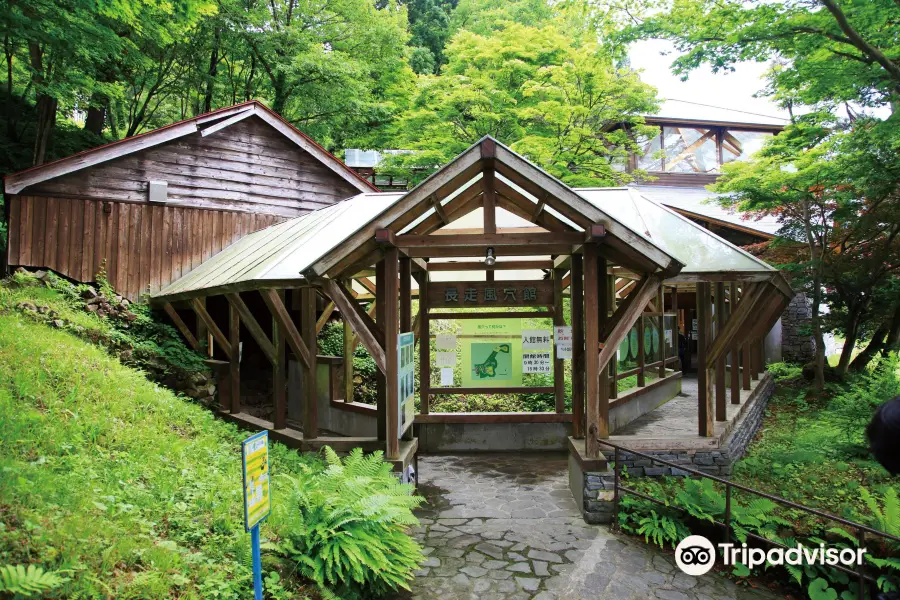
x: 549, y: 78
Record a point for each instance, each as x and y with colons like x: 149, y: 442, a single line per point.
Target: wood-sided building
x: 152, y: 207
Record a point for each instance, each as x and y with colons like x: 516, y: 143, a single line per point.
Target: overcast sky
x: 727, y: 90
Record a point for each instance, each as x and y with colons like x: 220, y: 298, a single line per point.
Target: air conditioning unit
x: 159, y: 191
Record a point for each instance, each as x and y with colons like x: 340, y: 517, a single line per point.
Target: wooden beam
x: 323, y: 318
x: 391, y: 287
x: 211, y: 325
x: 479, y: 251
x: 644, y: 292
x: 592, y: 350
x: 464, y: 203
x: 234, y: 360
x: 704, y: 393
x: 553, y: 238
x: 279, y: 373
x: 485, y: 314
x: 362, y: 324
x: 349, y: 347
x: 292, y: 336
x: 439, y: 210
x: 500, y: 265
x: 227, y: 122
x: 641, y: 358
x: 311, y: 390
x: 490, y: 201
x: 424, y: 347
x: 747, y: 311
x: 559, y: 365
x: 721, y: 390
x: 735, y: 371
x: 603, y: 308
x: 184, y: 329
x: 614, y: 363
x: 405, y: 295
x: 577, y: 304
x: 267, y: 347
x: 367, y: 283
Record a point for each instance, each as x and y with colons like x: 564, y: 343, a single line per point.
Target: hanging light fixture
x: 489, y: 258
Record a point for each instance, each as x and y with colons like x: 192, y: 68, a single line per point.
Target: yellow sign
x: 255, y: 452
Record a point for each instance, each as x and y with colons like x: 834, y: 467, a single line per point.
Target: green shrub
x: 782, y: 371
x: 27, y: 582
x: 347, y: 528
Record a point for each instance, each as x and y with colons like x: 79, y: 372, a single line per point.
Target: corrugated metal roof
x: 283, y: 251
x: 696, y: 200
x: 700, y: 250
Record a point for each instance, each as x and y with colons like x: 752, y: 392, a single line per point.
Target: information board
x: 536, y: 351
x: 255, y: 459
x: 491, y: 353
x: 407, y: 380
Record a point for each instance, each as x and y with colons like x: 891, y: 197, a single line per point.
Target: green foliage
x: 85, y: 440
x: 25, y: 583
x: 347, y: 530
x: 543, y: 86
x: 783, y: 371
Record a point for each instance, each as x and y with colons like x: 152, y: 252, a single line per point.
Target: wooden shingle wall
x: 246, y: 167
x: 145, y: 247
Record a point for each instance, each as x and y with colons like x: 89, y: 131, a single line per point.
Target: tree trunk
x: 96, y: 115
x: 45, y: 106
x: 46, y: 121
x: 211, y: 73
x: 863, y: 359
x: 817, y: 330
x: 851, y: 331
x: 892, y: 343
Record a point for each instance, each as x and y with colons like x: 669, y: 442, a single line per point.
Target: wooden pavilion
x: 620, y: 259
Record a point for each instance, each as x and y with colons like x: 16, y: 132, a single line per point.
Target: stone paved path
x: 506, y: 527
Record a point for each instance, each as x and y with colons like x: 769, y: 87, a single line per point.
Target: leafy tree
x: 429, y: 25
x: 541, y: 89
x: 834, y: 190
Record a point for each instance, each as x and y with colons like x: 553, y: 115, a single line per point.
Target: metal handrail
x: 861, y: 530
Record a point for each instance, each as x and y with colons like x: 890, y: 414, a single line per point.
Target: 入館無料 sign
x: 255, y: 453
x: 407, y: 381
x: 491, y: 293
x: 536, y: 351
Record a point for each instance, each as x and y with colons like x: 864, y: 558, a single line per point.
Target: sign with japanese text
x: 536, y: 362
x: 255, y: 459
x: 491, y: 353
x: 490, y: 293
x: 446, y: 359
x: 407, y: 381
x: 563, y: 336
x: 535, y: 339
x: 446, y: 341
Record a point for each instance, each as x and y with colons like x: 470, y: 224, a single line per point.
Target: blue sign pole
x: 257, y: 564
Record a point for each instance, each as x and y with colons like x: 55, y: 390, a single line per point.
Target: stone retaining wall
x: 797, y: 342
x: 597, y: 487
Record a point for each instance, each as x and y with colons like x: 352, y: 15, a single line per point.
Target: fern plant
x: 27, y: 582
x: 347, y: 529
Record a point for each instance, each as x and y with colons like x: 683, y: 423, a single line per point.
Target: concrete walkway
x: 506, y: 527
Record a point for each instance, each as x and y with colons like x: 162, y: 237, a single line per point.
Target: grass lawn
x: 128, y: 490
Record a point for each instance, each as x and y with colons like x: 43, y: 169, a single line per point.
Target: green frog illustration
x: 489, y: 367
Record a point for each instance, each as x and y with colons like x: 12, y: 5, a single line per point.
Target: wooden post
x: 577, y: 302
x: 234, y: 361
x: 591, y: 351
x: 424, y: 346
x: 614, y: 362
x: 735, y: 363
x: 559, y: 372
x: 762, y: 356
x: 203, y: 334
x: 676, y: 329
x: 745, y: 350
x: 279, y: 378
x: 391, y: 286
x: 349, y: 343
x: 721, y: 389
x: 641, y: 378
x: 704, y: 395
x: 405, y: 294
x: 662, y: 330
x: 310, y: 396
x: 380, y: 381
x: 405, y: 322
x: 754, y: 360
x: 603, y: 387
